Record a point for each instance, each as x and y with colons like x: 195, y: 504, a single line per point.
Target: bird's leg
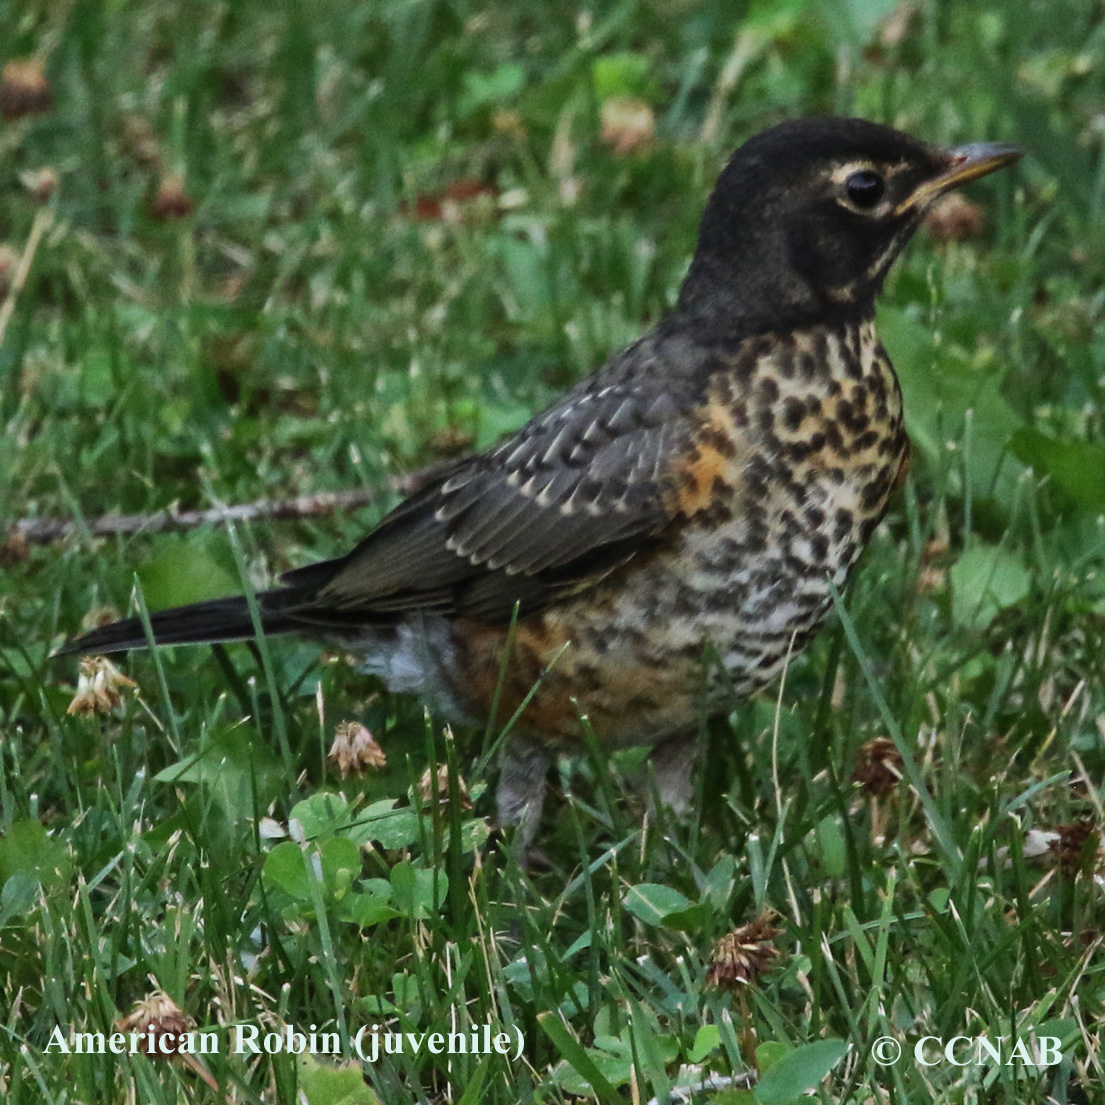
x: 673, y: 761
x: 523, y: 777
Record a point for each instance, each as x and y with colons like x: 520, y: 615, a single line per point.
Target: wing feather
x: 577, y: 491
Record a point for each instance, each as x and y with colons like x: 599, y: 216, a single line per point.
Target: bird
x: 670, y: 531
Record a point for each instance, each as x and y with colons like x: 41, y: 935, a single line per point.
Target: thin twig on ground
x: 44, y: 531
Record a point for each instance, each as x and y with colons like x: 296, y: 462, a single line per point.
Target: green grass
x: 303, y: 330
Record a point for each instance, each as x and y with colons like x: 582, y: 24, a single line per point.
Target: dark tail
x: 214, y: 621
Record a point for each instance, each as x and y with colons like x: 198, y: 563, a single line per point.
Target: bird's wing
x: 576, y: 492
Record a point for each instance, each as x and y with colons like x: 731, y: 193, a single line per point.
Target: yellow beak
x: 964, y: 163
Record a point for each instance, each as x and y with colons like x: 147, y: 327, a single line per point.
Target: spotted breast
x: 786, y: 468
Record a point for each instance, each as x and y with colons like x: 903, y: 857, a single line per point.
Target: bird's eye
x: 864, y: 188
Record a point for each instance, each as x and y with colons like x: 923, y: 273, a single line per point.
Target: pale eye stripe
x: 842, y: 172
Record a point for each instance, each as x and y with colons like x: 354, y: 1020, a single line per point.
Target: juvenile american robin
x: 705, y: 489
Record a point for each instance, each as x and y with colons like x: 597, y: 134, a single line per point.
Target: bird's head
x: 807, y: 218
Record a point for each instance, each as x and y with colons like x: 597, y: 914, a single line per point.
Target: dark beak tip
x: 996, y: 154
x: 960, y: 165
